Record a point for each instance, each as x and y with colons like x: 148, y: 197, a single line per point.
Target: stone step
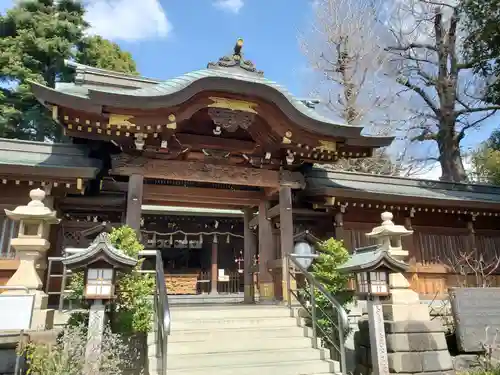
x: 240, y: 344
x: 232, y: 323
x: 229, y: 335
x: 280, y: 368
x: 246, y: 357
x: 224, y: 313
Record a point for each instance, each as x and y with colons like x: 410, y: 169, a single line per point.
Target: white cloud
x: 128, y: 20
x: 233, y: 6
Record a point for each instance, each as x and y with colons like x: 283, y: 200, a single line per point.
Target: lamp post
x: 100, y: 262
x: 371, y: 266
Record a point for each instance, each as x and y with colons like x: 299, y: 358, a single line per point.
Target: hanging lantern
x: 228, y: 239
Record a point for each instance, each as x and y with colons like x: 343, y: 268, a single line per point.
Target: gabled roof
x: 399, y: 189
x: 101, y: 248
x: 41, y: 158
x: 370, y: 258
x: 94, y: 88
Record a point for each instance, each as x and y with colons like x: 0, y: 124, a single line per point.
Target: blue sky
x: 171, y: 37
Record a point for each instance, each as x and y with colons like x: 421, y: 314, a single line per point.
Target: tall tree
x: 351, y: 67
x: 428, y: 54
x: 102, y: 53
x: 36, y: 36
x: 486, y: 160
x: 482, y: 42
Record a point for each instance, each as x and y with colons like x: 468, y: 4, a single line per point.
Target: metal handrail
x: 342, y: 324
x: 163, y: 318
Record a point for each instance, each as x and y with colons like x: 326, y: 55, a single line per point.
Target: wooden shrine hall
x: 244, y: 155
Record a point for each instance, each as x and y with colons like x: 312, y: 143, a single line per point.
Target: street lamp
x: 372, y: 266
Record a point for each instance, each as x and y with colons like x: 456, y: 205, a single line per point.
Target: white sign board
x: 16, y: 312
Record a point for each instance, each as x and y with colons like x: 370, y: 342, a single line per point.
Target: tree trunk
x: 452, y: 168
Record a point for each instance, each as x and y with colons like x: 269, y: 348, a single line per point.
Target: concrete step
x: 225, y: 313
x: 216, y: 346
x: 246, y: 357
x: 280, y: 368
x: 230, y: 335
x: 232, y: 323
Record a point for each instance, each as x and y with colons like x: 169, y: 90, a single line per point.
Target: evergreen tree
x: 36, y: 36
x: 483, y: 41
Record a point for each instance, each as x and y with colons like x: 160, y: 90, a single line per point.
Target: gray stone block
x: 362, y: 354
x: 7, y: 361
x: 405, y: 362
x: 436, y: 361
x: 362, y: 370
x: 465, y: 362
x: 415, y: 342
x: 413, y: 326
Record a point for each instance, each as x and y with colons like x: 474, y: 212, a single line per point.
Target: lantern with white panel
x: 100, y: 262
x: 371, y: 267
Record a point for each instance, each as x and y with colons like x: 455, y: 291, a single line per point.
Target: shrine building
x: 219, y: 169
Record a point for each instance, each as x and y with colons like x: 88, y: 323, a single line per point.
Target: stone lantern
x: 100, y: 262
x: 388, y: 236
x: 398, y: 331
x: 31, y: 246
x: 372, y: 266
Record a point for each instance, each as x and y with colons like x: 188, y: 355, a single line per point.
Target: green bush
x: 67, y: 356
x: 332, y: 254
x: 132, y: 310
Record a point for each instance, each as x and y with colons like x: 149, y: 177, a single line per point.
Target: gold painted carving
x: 55, y: 112
x: 330, y: 201
x: 172, y: 124
x: 120, y: 120
x: 327, y: 146
x: 286, y: 140
x: 232, y: 104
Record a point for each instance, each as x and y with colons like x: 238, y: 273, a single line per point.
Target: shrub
x: 132, y: 310
x: 332, y: 254
x: 67, y: 356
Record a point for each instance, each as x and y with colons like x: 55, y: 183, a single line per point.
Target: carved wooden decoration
x: 230, y: 120
x: 195, y: 171
x: 122, y: 120
x: 232, y: 104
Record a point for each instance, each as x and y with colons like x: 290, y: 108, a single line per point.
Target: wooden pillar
x: 286, y: 229
x: 472, y: 234
x: 215, y: 268
x: 266, y: 254
x: 339, y: 224
x: 248, y: 256
x: 134, y: 202
x: 408, y: 242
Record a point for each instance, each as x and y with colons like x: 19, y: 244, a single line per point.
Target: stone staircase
x: 243, y: 340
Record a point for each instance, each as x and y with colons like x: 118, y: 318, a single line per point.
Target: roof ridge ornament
x: 236, y: 61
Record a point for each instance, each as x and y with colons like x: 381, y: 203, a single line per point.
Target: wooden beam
x: 254, y: 222
x: 200, y: 195
x: 127, y: 165
x: 134, y: 202
x: 266, y: 253
x: 191, y: 204
x: 249, y: 252
x: 217, y: 143
x: 286, y: 221
x: 273, y: 212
